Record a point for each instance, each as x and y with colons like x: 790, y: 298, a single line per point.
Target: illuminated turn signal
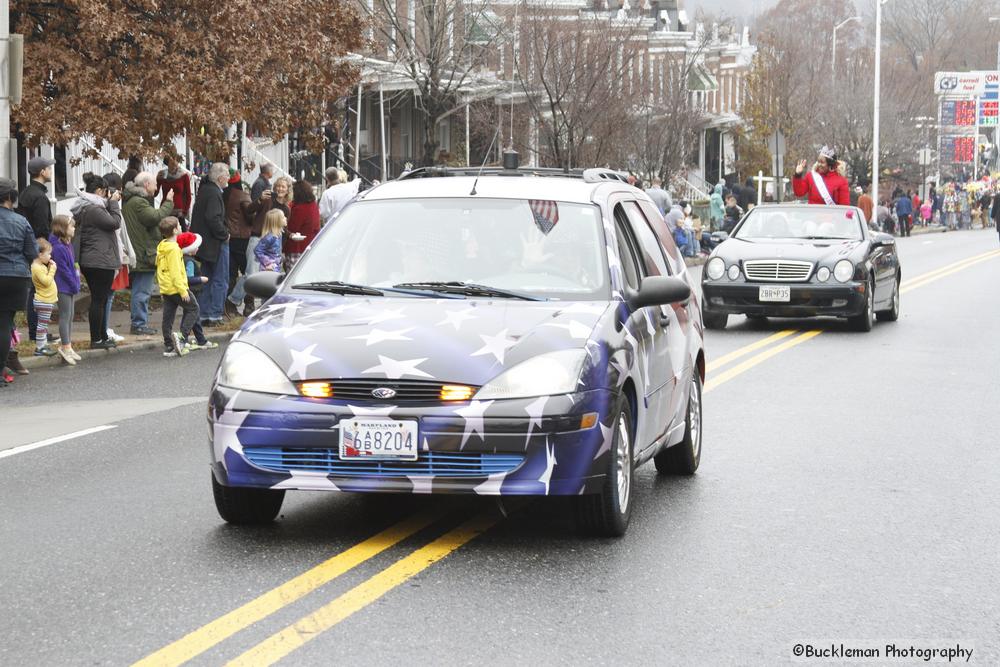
x: 455, y: 392
x: 316, y: 389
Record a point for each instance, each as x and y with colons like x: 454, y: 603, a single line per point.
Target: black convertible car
x: 797, y: 260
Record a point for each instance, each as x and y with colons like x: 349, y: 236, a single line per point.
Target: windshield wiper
x: 469, y: 289
x: 338, y: 287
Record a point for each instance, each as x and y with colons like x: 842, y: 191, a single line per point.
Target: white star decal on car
x: 584, y: 307
x: 577, y: 330
x: 376, y: 336
x: 607, y: 432
x: 289, y: 331
x: 496, y: 345
x: 473, y: 415
x: 535, y: 410
x: 456, y: 317
x: 491, y: 487
x: 550, y: 464
x: 301, y: 361
x: 335, y: 310
x: 386, y: 315
x: 394, y: 369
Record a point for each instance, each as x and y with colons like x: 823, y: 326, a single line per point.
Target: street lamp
x: 833, y: 59
x: 877, y: 101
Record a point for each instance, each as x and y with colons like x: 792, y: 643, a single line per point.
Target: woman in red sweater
x: 177, y: 180
x: 303, y: 222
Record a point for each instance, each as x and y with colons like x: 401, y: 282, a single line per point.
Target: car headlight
x: 545, y: 375
x: 823, y: 274
x: 247, y: 368
x: 715, y: 268
x: 734, y: 272
x: 843, y: 270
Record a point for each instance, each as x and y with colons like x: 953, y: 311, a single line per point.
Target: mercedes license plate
x: 378, y: 439
x: 780, y: 293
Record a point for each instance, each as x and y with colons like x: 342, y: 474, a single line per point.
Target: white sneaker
x: 179, y: 345
x: 115, y: 337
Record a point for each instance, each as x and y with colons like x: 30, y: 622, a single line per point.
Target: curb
x: 928, y: 230
x: 32, y: 363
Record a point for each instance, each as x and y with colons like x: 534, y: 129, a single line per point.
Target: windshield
x: 546, y: 249
x: 806, y: 222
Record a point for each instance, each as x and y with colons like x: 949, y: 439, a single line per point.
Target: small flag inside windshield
x: 546, y: 214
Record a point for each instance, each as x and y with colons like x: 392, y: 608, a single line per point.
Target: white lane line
x: 52, y: 441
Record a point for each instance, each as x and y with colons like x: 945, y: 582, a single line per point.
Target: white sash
x: 821, y: 187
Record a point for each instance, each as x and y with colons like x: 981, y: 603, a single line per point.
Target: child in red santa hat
x: 189, y: 244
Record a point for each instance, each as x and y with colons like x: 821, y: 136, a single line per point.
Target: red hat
x: 234, y: 176
x: 189, y: 242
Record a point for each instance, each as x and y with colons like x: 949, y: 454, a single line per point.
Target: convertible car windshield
x: 804, y: 222
x: 545, y: 249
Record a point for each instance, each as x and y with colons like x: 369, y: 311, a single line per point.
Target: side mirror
x: 659, y: 291
x: 263, y: 284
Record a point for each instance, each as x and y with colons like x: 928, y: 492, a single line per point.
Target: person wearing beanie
x: 141, y: 221
x: 173, y: 281
x: 825, y: 183
x: 34, y: 205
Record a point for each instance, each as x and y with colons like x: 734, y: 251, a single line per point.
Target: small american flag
x: 545, y: 212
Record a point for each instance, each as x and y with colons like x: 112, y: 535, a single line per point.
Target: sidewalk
x: 120, y: 323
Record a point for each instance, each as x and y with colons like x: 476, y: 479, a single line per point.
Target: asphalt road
x: 847, y: 494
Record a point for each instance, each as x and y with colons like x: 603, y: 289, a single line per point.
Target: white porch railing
x: 107, y: 161
x: 262, y: 150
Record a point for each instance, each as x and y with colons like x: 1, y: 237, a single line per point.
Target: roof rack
x: 588, y: 175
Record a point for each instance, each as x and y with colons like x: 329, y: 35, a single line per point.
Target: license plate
x: 782, y: 293
x: 378, y: 439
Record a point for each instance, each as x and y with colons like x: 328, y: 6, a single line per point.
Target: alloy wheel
x: 623, y: 464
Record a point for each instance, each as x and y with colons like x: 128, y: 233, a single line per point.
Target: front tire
x: 245, y: 506
x: 866, y: 320
x: 684, y: 457
x: 892, y: 314
x: 714, y: 320
x: 607, y: 513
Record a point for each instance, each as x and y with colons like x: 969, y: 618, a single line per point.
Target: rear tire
x: 245, y: 506
x: 607, y: 513
x: 892, y: 314
x: 714, y: 320
x: 866, y: 320
x: 684, y: 457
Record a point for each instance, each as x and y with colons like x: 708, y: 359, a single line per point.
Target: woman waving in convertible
x: 825, y: 184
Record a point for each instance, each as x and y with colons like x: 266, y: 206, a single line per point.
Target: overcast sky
x: 742, y: 9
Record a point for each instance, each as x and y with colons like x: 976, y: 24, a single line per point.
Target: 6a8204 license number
x: 378, y: 439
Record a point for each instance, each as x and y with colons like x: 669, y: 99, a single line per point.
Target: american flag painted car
x: 536, y: 338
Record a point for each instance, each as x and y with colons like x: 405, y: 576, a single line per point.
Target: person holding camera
x: 142, y: 221
x: 825, y: 183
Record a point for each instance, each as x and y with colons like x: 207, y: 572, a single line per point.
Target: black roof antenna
x: 485, y: 160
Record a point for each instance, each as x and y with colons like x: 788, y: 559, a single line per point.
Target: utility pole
x: 875, y: 111
x: 8, y: 154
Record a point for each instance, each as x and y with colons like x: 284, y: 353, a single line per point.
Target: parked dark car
x: 506, y: 335
x: 803, y: 261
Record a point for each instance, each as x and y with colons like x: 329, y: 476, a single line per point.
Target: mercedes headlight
x: 247, y: 368
x: 715, y: 268
x: 843, y: 270
x: 823, y: 274
x: 734, y: 272
x: 545, y: 375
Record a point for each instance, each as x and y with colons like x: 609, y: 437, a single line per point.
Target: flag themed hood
x: 467, y: 341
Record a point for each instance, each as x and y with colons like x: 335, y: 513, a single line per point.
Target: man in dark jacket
x: 34, y: 205
x: 208, y: 218
x: 904, y: 209
x: 263, y: 182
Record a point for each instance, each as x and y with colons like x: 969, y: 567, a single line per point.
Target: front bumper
x: 807, y: 299
x: 507, y: 447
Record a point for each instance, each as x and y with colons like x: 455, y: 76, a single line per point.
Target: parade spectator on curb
x: 985, y: 201
x: 884, y: 217
x: 98, y: 219
x: 915, y: 201
x: 132, y: 169
x: 659, y: 196
x: 17, y: 252
x: 825, y: 183
x: 189, y: 244
x: 326, y: 201
x: 716, y: 207
x: 926, y: 211
x: 303, y: 220
x: 43, y: 277
x: 904, y: 213
x: 172, y: 278
x: 994, y: 212
x: 866, y: 205
x: 142, y: 221
x: 338, y: 196
x: 34, y: 205
x: 175, y: 179
x: 268, y: 251
x: 208, y: 218
x: 121, y: 281
x: 67, y: 282
x: 263, y: 182
x: 238, y: 221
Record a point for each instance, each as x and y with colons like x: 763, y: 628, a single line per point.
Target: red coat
x: 303, y: 219
x: 180, y: 186
x: 835, y: 183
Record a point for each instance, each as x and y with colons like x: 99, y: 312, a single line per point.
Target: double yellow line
x: 286, y: 640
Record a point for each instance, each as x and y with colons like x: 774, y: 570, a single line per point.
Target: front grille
x: 779, y: 271
x: 438, y: 464
x: 407, y: 391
